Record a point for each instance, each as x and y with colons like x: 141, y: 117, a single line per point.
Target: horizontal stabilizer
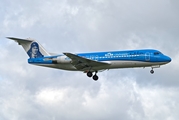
x: 20, y: 40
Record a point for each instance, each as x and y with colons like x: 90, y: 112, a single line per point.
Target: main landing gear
x: 90, y: 74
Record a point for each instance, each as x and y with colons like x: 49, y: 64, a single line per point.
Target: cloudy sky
x: 30, y: 92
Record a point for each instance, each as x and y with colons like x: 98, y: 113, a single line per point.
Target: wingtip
x: 65, y: 53
x: 8, y: 37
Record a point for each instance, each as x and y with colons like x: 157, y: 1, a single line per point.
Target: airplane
x: 94, y: 62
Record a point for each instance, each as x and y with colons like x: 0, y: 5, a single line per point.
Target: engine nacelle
x: 61, y: 59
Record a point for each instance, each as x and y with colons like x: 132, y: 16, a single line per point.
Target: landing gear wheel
x: 152, y: 71
x: 89, y: 74
x: 95, y: 77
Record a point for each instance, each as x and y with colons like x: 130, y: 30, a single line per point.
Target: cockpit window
x: 157, y: 53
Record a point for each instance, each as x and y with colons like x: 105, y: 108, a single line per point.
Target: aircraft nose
x: 168, y: 59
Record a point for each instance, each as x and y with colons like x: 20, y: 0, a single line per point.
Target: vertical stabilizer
x: 32, y: 47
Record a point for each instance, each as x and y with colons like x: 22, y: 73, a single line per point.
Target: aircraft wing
x: 81, y: 63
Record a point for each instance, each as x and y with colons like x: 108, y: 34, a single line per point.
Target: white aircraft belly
x: 66, y: 66
x: 128, y: 64
x: 114, y: 64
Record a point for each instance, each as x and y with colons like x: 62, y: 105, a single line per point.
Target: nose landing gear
x: 155, y: 66
x: 152, y: 71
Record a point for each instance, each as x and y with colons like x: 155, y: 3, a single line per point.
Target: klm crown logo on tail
x: 34, y: 51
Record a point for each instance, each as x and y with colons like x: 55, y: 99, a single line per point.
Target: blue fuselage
x: 132, y: 55
x: 116, y: 59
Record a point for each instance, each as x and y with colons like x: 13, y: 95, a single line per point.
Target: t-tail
x: 32, y: 47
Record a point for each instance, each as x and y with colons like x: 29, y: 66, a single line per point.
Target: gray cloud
x: 31, y: 92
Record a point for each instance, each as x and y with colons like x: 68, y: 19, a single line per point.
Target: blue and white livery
x: 91, y: 63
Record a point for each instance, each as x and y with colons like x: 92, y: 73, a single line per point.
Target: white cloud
x: 159, y: 103
x: 51, y: 96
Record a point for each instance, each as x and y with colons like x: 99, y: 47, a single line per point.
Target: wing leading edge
x: 82, y: 63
